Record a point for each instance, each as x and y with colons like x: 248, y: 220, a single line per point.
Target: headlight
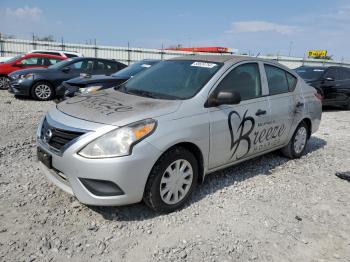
x: 119, y: 142
x: 90, y: 89
x: 21, y: 76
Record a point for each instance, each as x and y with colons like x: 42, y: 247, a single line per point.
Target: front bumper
x: 20, y: 87
x: 129, y: 173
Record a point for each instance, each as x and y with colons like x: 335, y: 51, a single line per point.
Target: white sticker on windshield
x: 145, y: 65
x: 318, y: 70
x: 203, y: 64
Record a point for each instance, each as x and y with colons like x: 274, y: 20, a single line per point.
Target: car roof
x: 221, y: 58
x: 81, y: 58
x: 44, y: 55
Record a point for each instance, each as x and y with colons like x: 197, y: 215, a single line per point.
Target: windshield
x: 61, y: 64
x: 310, y: 73
x: 134, y: 69
x: 172, y: 79
x: 13, y: 59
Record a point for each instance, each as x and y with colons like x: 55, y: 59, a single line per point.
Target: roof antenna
x: 258, y: 54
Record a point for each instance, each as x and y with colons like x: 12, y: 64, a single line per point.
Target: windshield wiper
x: 141, y: 93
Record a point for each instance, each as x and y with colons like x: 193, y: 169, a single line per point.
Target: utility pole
x: 290, y: 48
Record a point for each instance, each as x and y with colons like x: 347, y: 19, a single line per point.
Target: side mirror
x: 18, y: 64
x: 224, y: 98
x: 328, y: 82
x: 66, y: 69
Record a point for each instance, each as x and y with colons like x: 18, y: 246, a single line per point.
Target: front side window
x: 244, y: 79
x: 277, y: 80
x: 33, y: 61
x: 332, y: 73
x: 172, y: 79
x: 85, y: 65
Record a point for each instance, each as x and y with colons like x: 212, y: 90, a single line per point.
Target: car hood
x: 30, y: 70
x: 116, y: 108
x: 91, y: 79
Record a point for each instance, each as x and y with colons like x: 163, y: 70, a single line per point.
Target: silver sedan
x: 157, y: 136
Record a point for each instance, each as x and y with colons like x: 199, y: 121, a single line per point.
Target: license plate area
x: 44, y: 157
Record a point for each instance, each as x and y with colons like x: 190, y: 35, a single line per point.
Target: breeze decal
x: 242, y: 136
x: 256, y: 138
x: 102, y: 102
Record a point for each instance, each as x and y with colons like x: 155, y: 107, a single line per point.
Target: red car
x: 24, y: 62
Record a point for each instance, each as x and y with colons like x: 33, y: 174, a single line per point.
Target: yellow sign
x: 317, y: 53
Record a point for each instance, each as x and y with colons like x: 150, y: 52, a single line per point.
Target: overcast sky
x: 256, y: 26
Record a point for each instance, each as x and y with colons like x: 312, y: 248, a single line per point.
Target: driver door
x: 235, y: 130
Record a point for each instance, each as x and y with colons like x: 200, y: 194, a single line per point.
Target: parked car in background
x: 92, y: 83
x: 41, y: 84
x: 25, y: 62
x: 4, y: 59
x: 332, y: 83
x: 161, y: 132
x: 66, y: 54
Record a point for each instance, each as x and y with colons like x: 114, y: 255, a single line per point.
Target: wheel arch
x: 42, y: 81
x: 308, y: 122
x: 196, y: 151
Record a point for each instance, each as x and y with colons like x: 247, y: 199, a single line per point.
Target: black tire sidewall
x: 298, y: 155
x: 38, y: 98
x: 152, y: 192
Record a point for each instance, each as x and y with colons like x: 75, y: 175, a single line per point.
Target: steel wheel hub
x: 176, y: 181
x: 43, y: 91
x: 300, y: 140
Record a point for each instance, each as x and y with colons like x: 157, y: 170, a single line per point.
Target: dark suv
x: 333, y: 83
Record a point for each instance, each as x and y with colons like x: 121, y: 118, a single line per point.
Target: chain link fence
x: 11, y: 47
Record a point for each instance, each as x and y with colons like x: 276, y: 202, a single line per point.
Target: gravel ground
x: 268, y: 209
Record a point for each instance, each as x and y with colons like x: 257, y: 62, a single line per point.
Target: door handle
x: 260, y: 112
x: 299, y: 104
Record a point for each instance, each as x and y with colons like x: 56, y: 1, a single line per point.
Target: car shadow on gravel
x: 216, y: 181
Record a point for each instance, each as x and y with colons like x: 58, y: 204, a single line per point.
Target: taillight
x: 318, y: 96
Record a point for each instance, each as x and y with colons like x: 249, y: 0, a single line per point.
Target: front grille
x: 55, y: 137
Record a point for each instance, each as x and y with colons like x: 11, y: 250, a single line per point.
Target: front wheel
x: 297, y: 144
x: 4, y: 83
x: 42, y: 91
x: 172, y: 180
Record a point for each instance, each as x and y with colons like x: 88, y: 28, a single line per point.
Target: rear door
x: 282, y: 103
x: 236, y: 130
x: 342, y: 89
x: 332, y: 81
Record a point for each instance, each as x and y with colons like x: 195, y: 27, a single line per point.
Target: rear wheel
x: 42, y: 91
x: 297, y: 144
x: 4, y: 83
x: 172, y: 180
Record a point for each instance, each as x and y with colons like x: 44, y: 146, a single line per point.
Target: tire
x: 297, y: 144
x: 42, y: 91
x: 4, y: 83
x: 162, y: 191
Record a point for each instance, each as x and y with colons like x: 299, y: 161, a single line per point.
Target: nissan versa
x: 157, y: 136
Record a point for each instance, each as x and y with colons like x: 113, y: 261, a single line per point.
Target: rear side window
x: 344, y: 73
x: 47, y: 53
x: 292, y: 81
x: 70, y: 55
x: 277, y: 80
x: 53, y: 61
x: 244, y: 79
